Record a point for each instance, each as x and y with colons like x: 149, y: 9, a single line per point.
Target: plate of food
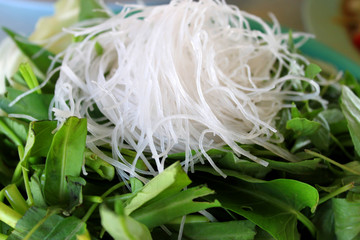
x: 187, y: 120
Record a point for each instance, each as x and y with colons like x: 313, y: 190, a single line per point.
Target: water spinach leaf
x: 303, y: 126
x: 34, y: 105
x: 166, y: 209
x: 64, y: 160
x: 39, y: 224
x: 274, y: 205
x: 172, y: 180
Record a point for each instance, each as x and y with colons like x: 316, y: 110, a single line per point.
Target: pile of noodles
x: 184, y: 77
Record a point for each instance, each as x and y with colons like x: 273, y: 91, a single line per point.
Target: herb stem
x: 93, y: 199
x: 336, y: 192
x: 95, y: 205
x: 17, y: 173
x: 302, y: 218
x: 15, y: 199
x: 24, y: 169
x: 315, y: 154
x: 8, y: 215
x: 2, y: 195
x: 10, y: 133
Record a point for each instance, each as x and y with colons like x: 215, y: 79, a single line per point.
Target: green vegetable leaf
x: 336, y: 120
x: 64, y: 161
x: 303, y: 126
x: 36, y: 190
x: 34, y: 105
x: 38, y: 55
x: 324, y: 222
x: 121, y: 226
x: 295, y: 113
x: 29, y: 76
x: 39, y: 224
x: 91, y: 9
x: 74, y: 187
x: 136, y: 185
x: 39, y: 138
x: 346, y: 216
x: 234, y: 230
x: 166, y: 209
x: 172, y: 180
x: 321, y: 138
x: 274, y: 206
x: 350, y: 105
x: 312, y: 70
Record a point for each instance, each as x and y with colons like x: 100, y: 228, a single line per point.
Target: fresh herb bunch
x: 53, y: 187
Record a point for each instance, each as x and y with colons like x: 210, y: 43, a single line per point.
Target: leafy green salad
x: 192, y: 120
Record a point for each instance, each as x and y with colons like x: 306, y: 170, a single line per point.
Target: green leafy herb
x: 63, y: 163
x: 38, y: 55
x: 123, y: 227
x: 40, y: 224
x: 346, y: 217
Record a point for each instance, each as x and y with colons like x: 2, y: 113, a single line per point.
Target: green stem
x: 29, y: 76
x: 307, y: 223
x: 336, y: 192
x: 10, y: 133
x: 17, y: 173
x: 27, y: 187
x: 93, y: 199
x: 15, y: 199
x: 8, y: 215
x: 315, y: 154
x: 19, y: 168
x: 24, y: 169
x: 95, y: 205
x: 2, y: 195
